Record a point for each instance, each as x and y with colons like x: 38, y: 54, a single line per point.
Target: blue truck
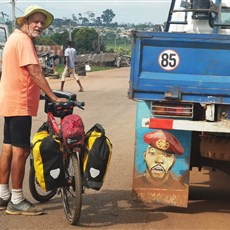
x: 180, y: 79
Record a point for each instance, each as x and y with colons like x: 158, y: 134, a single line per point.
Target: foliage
x: 107, y: 16
x: 123, y: 51
x: 58, y: 22
x: 44, y: 41
x: 89, y: 19
x: 60, y: 69
x: 60, y: 38
x: 87, y: 40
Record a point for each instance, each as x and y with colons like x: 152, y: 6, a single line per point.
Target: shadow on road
x: 202, y: 200
x: 109, y: 208
x: 114, y: 208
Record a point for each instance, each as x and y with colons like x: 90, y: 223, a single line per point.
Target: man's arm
x: 41, y: 81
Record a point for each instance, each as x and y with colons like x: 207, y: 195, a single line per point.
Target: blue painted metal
x: 203, y: 74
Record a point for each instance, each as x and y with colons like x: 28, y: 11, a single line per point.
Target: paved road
x: 113, y: 207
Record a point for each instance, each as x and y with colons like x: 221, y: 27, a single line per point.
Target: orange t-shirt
x: 19, y: 95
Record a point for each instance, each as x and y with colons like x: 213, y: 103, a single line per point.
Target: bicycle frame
x: 53, y: 123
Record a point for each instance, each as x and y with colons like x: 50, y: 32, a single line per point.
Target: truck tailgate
x: 186, y: 67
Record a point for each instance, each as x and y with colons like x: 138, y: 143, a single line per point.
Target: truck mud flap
x: 171, y: 197
x: 161, y: 169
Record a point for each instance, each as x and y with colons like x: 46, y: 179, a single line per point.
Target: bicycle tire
x: 72, y: 194
x: 36, y: 191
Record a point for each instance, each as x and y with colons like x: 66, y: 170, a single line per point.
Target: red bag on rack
x: 72, y: 130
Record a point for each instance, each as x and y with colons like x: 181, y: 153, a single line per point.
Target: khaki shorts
x: 69, y: 72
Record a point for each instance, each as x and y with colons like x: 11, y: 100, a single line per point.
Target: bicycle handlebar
x: 63, y: 105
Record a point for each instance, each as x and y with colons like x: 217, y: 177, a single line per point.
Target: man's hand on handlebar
x: 58, y: 99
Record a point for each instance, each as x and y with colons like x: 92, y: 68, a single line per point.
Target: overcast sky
x: 129, y: 11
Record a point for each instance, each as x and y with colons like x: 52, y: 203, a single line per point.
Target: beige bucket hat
x: 36, y: 9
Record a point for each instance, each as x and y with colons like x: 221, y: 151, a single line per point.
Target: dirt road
x: 113, y: 206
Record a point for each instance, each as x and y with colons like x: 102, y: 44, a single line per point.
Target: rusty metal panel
x: 215, y: 147
x: 161, y: 170
x: 53, y: 50
x: 168, y: 196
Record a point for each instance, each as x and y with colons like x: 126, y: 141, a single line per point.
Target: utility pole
x: 70, y: 37
x: 13, y: 15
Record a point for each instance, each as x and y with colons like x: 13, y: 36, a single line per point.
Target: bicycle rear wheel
x: 72, y: 193
x: 36, y: 191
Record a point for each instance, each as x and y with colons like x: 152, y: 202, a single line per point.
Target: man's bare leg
x: 80, y: 85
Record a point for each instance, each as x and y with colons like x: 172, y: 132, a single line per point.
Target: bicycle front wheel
x: 72, y: 193
x: 36, y: 191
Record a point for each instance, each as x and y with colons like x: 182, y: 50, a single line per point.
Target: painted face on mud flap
x: 158, y: 162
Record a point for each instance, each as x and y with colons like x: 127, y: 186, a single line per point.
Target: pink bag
x: 72, y: 130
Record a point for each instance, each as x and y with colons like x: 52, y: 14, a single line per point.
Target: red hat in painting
x: 164, y: 141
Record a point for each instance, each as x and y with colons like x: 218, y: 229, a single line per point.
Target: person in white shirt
x: 69, y: 70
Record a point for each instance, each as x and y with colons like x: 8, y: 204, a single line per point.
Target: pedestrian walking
x: 69, y: 70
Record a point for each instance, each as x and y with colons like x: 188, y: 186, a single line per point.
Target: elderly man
x: 20, y: 86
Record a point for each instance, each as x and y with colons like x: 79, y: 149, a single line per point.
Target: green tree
x: 98, y: 21
x: 44, y: 41
x: 107, y: 16
x: 74, y: 18
x: 83, y: 20
x: 91, y: 16
x: 60, y: 38
x: 87, y: 40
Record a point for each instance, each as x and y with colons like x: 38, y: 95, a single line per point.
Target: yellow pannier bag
x: 48, y: 160
x: 97, y: 155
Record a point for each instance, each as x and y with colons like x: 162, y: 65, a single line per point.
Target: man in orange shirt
x: 20, y: 86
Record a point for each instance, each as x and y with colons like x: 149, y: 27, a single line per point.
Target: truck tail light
x: 163, y: 109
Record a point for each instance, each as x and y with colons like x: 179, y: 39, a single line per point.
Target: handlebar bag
x: 97, y: 155
x: 72, y: 129
x: 48, y: 160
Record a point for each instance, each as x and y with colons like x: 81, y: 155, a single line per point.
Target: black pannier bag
x: 48, y: 160
x: 97, y: 155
